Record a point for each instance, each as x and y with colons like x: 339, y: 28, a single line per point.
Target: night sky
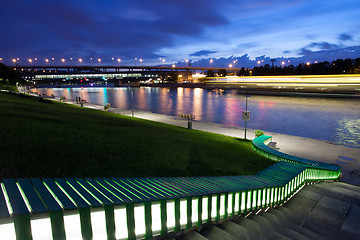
x: 175, y: 30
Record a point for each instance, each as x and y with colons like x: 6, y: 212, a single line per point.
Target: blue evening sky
x: 175, y: 30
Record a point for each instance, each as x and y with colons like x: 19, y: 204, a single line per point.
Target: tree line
x: 339, y: 66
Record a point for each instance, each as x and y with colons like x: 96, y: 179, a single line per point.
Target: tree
x: 222, y: 72
x: 9, y: 76
x: 210, y: 73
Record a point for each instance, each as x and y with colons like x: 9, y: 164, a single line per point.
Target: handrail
x: 135, y: 208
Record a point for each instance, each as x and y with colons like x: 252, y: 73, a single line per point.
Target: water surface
x: 335, y: 120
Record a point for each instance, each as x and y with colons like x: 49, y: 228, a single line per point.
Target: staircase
x: 318, y: 211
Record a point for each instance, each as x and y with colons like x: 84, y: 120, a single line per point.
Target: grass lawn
x: 59, y: 140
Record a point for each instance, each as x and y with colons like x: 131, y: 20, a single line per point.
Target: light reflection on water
x: 335, y: 120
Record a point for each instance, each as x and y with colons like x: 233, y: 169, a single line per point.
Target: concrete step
x: 268, y: 229
x: 250, y: 226
x: 239, y: 231
x: 193, y: 235
x: 337, y: 192
x: 351, y: 222
x: 215, y: 233
x: 290, y: 227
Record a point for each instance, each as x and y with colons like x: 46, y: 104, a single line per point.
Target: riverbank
x: 348, y: 157
x: 42, y: 138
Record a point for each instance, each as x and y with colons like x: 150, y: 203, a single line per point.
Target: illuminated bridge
x: 138, y: 208
x: 107, y: 72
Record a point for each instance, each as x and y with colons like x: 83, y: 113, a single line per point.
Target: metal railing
x: 136, y: 208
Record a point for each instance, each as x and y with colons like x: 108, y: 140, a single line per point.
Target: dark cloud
x: 287, y: 52
x: 202, y: 53
x: 345, y: 37
x: 323, y: 45
x: 118, y: 28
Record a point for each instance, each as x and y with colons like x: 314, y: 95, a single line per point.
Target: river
x: 329, y: 119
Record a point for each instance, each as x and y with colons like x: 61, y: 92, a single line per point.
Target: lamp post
x: 132, y: 103
x: 211, y: 61
x: 246, y: 114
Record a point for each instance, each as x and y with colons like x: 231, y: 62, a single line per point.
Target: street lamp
x: 211, y: 61
x: 47, y: 60
x: 246, y: 114
x: 63, y: 60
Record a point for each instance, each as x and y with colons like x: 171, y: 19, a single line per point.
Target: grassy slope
x: 58, y: 140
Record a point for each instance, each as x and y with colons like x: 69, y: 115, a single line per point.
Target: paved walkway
x: 347, y: 157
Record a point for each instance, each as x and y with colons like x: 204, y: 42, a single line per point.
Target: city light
x: 14, y: 60
x: 80, y: 60
x: 46, y: 60
x: 283, y: 63
x: 119, y: 60
x: 30, y: 60
x: 173, y: 65
x: 258, y: 62
x: 99, y: 60
x: 35, y: 59
x: 308, y: 63
x: 53, y: 59
x: 230, y: 65
x: 63, y: 60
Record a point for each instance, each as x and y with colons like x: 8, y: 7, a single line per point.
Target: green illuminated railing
x: 135, y: 208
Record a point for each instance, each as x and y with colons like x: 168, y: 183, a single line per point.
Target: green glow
x: 213, y: 207
x: 170, y: 215
x: 98, y: 225
x: 268, y: 196
x: 79, y: 193
x: 230, y: 202
x: 41, y: 228
x: 254, y: 198
x: 90, y: 193
x: 8, y: 230
x: 24, y: 197
x: 222, y: 205
x: 259, y: 198
x: 156, y: 217
x: 248, y: 200
x: 263, y: 197
x: 72, y: 226
x: 237, y: 203
x: 121, y: 230
x: 243, y: 194
x: 194, y: 210
x: 183, y: 212
x: 7, y: 201
x: 204, y: 214
x: 272, y: 195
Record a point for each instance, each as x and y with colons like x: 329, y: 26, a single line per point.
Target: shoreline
x: 347, y: 157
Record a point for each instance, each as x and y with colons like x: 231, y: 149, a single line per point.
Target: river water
x: 329, y: 119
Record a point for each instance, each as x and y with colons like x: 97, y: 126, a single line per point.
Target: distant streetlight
x: 47, y: 60
x: 99, y: 60
x: 63, y: 60
x: 230, y: 65
x: 35, y: 59
x: 119, y: 60
x: 30, y: 60
x: 173, y: 65
x: 80, y: 60
x: 308, y: 63
x: 14, y: 60
x: 211, y: 61
x: 258, y: 62
x: 187, y: 62
x: 135, y: 60
x: 283, y: 63
x: 140, y: 60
